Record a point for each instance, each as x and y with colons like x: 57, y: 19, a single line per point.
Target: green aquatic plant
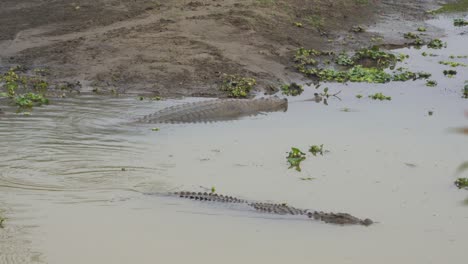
x: 461, y: 183
x: 315, y: 149
x: 452, y: 63
x: 359, y: 96
x: 344, y: 60
x: 2, y: 220
x: 417, y: 42
x: 380, y: 57
x: 24, y: 91
x: 355, y: 74
x: 292, y: 89
x: 403, y: 74
x: 460, y: 22
x: 459, y: 56
x: 29, y: 100
x: 423, y: 75
x: 421, y: 29
x: 237, y: 86
x: 410, y: 35
x: 436, y: 44
x: 431, y: 83
x: 380, y: 96
x: 450, y: 73
x: 155, y: 129
x: 369, y: 75
x: 295, y: 157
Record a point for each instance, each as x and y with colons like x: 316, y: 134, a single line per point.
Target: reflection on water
x: 72, y: 174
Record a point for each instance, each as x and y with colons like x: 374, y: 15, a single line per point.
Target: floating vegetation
x: 24, y: 91
x: 295, y: 157
x: 359, y: 96
x: 423, y: 75
x: 355, y: 74
x: 431, y: 83
x: 29, y: 100
x: 459, y: 56
x: 366, y: 65
x: 461, y: 183
x: 421, y: 29
x: 344, y: 60
x: 403, y: 74
x: 418, y: 42
x: 155, y: 129
x: 436, y: 44
x: 292, y: 89
x: 460, y: 22
x: 452, y: 63
x: 315, y: 149
x: 382, y: 58
x: 410, y: 35
x: 450, y: 73
x: 2, y: 220
x: 380, y: 96
x: 237, y: 86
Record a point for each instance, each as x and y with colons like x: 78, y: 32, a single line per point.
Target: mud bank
x: 183, y: 48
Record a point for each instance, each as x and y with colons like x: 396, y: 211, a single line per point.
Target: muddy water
x: 73, y: 174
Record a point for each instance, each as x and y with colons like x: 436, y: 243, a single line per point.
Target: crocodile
x: 216, y: 110
x: 275, y: 208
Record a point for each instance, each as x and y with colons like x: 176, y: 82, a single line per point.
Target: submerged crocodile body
x: 216, y: 110
x: 279, y: 209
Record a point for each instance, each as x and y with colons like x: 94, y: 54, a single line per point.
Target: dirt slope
x: 181, y: 47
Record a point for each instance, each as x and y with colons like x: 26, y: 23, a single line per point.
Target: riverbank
x: 186, y: 48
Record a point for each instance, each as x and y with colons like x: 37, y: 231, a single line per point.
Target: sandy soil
x: 182, y: 47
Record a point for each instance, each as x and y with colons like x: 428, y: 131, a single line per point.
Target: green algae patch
x: 237, y: 86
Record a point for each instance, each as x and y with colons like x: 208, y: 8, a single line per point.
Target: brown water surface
x: 67, y: 199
